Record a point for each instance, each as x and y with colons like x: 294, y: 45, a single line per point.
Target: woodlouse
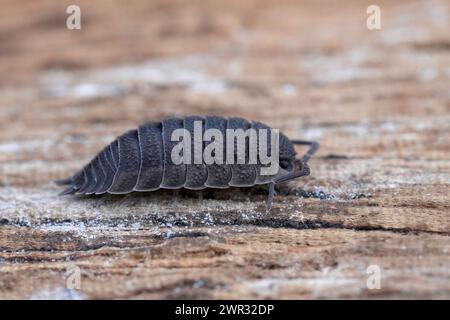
x: 140, y: 160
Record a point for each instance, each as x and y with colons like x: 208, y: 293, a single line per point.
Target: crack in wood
x: 176, y: 220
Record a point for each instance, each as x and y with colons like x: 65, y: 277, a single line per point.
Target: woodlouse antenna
x: 314, y: 146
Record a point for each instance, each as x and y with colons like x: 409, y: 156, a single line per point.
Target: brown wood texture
x: 378, y: 102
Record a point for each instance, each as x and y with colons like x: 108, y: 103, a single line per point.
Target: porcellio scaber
x: 140, y: 160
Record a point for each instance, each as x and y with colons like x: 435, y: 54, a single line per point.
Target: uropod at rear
x: 193, y: 153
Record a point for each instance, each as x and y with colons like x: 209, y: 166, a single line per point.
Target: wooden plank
x: 377, y: 101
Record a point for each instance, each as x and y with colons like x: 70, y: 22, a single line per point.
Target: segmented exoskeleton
x: 140, y: 160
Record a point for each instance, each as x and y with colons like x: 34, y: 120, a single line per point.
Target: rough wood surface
x: 378, y: 101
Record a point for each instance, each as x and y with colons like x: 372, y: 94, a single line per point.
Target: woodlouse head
x: 287, y: 153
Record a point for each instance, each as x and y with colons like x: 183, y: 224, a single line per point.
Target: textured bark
x: 378, y: 102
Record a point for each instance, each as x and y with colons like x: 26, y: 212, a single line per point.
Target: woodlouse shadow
x: 253, y: 194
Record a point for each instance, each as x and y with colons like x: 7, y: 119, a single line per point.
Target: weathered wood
x: 378, y: 101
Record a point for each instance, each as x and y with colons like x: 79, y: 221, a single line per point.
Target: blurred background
x: 310, y: 68
x: 377, y: 100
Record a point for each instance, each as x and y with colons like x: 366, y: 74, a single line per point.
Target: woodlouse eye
x: 285, y: 164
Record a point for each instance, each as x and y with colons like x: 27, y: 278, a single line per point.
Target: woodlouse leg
x: 296, y: 174
x: 270, y: 196
x: 314, y: 145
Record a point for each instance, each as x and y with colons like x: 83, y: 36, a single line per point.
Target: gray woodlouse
x: 139, y: 160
